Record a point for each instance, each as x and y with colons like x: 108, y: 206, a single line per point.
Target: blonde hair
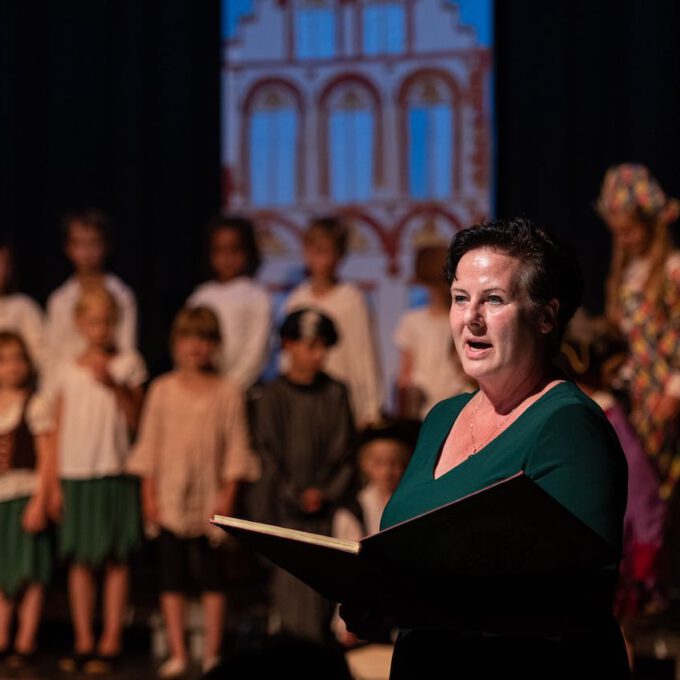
x: 196, y: 321
x: 97, y: 296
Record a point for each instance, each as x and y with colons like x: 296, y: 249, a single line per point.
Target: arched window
x: 384, y: 27
x: 314, y: 29
x: 351, y: 134
x: 272, y: 145
x: 430, y: 130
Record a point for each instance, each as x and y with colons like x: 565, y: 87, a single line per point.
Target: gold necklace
x: 475, y: 448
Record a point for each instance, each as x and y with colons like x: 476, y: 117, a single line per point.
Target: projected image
x: 376, y: 110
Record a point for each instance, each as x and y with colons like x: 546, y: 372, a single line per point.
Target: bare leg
x: 115, y: 599
x: 81, y: 594
x: 6, y: 612
x: 214, y: 604
x: 173, y: 606
x: 30, y: 611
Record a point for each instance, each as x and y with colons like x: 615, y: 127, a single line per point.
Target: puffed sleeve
x: 130, y: 369
x: 40, y: 414
x: 240, y: 463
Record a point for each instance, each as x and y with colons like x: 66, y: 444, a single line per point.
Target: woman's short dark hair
x: 551, y: 270
x: 246, y: 234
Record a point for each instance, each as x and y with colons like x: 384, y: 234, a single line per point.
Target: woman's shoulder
x: 567, y: 397
x: 567, y: 416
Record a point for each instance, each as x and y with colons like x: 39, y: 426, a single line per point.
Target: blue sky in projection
x: 477, y: 13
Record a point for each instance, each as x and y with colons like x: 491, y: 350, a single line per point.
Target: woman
x: 643, y: 302
x: 513, y: 292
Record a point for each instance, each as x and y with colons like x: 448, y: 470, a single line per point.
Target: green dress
x: 566, y: 445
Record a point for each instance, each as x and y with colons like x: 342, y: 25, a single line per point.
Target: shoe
x: 101, y: 664
x: 17, y: 660
x: 74, y: 663
x: 174, y: 667
x: 210, y: 663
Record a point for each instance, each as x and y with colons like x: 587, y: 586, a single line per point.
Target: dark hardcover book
x: 503, y: 546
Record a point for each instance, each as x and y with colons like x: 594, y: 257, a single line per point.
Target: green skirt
x: 25, y: 558
x: 101, y: 520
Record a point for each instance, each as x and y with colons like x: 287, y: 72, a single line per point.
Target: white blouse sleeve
x: 40, y: 414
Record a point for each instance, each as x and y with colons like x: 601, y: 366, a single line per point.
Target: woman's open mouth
x: 476, y: 348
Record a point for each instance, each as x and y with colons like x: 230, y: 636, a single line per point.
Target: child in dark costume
x: 304, y: 433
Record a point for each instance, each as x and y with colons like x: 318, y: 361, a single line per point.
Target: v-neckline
x: 440, y: 448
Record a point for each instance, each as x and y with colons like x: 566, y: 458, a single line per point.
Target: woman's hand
x: 364, y: 623
x: 34, y: 519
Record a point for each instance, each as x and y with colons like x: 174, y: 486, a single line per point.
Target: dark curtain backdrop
x: 580, y: 86
x: 112, y: 103
x: 116, y: 103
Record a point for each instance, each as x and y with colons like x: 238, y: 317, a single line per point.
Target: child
x: 593, y: 363
x: 353, y: 359
x: 85, y: 245
x: 99, y: 395
x: 26, y: 468
x: 429, y: 363
x: 304, y: 433
x: 383, y: 456
x: 242, y: 306
x: 192, y: 452
x: 19, y: 312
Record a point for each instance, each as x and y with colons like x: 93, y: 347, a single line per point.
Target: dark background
x: 115, y: 103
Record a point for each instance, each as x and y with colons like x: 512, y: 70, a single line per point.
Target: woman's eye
x: 495, y: 299
x: 459, y: 299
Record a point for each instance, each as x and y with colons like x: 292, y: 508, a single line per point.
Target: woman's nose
x: 473, y: 315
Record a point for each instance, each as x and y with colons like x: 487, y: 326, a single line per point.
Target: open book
x: 510, y: 534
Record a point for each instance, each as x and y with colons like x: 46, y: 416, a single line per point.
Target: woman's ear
x: 548, y: 319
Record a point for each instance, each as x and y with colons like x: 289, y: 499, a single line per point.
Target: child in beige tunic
x: 192, y: 452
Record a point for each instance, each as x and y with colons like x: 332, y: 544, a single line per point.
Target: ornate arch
x: 457, y: 100
x: 258, y: 89
x: 324, y: 101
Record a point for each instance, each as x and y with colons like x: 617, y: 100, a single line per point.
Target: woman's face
x: 498, y: 336
x: 629, y: 233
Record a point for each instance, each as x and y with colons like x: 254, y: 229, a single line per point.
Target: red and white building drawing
x: 378, y: 110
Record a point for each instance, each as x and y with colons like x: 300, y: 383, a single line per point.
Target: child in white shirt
x: 85, y: 245
x: 98, y: 401
x: 242, y: 305
x: 429, y: 365
x: 353, y: 360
